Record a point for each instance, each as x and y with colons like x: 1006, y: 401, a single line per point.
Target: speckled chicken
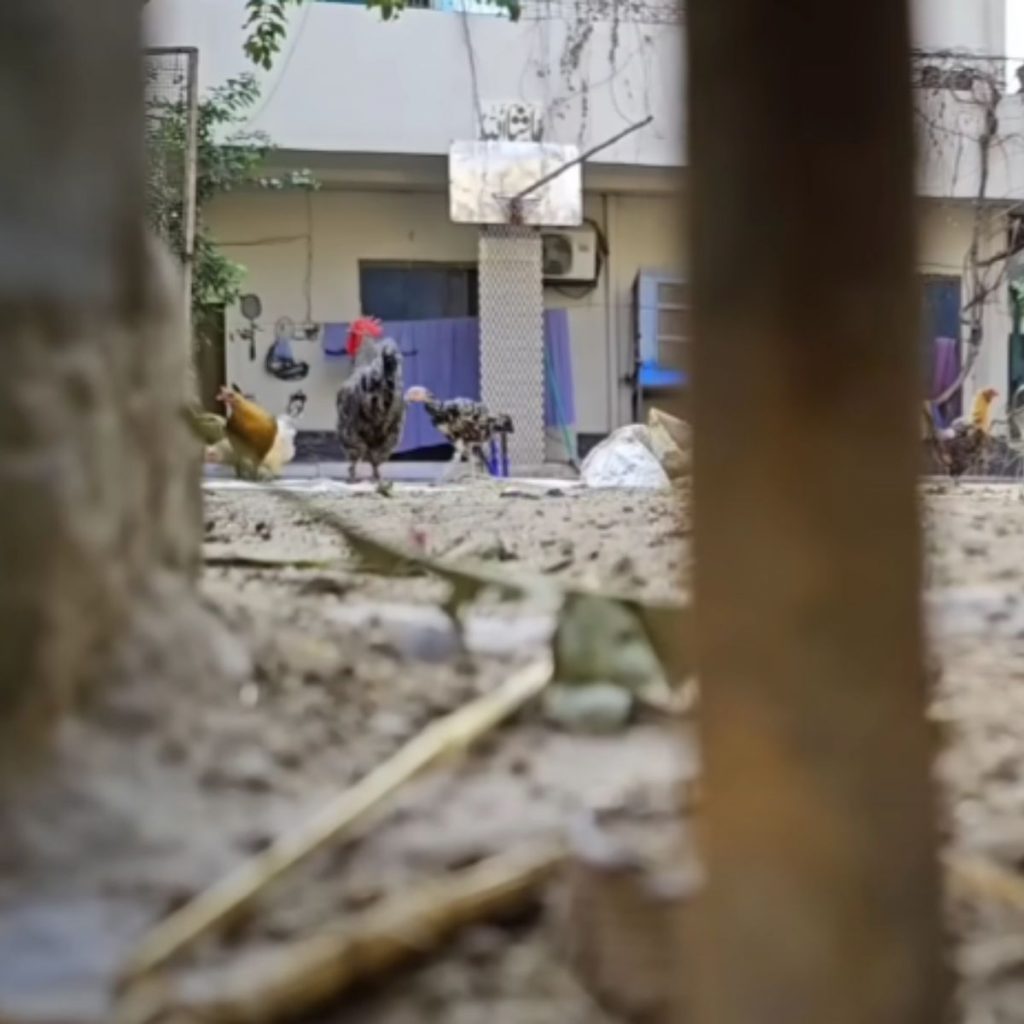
x: 468, y: 424
x: 371, y: 412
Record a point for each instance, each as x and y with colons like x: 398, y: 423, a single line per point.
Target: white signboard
x: 484, y: 176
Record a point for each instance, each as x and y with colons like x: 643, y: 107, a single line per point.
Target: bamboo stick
x: 979, y: 878
x: 288, y: 984
x: 259, y: 562
x: 445, y: 737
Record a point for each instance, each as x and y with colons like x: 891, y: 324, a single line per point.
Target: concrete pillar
x: 512, y: 373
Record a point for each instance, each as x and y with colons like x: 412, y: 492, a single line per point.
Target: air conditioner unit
x: 569, y: 256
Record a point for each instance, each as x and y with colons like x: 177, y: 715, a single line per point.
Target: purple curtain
x: 945, y: 369
x: 444, y: 356
x: 560, y: 412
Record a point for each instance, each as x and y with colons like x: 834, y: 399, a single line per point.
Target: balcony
x: 350, y: 87
x: 349, y: 82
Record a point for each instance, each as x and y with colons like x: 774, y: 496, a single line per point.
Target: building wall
x: 302, y: 252
x: 349, y: 82
x: 267, y: 232
x: 977, y: 27
x: 347, y: 226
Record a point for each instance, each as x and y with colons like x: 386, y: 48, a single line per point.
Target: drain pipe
x: 611, y: 356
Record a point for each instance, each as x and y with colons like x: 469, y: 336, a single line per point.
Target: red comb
x: 369, y: 325
x: 358, y: 329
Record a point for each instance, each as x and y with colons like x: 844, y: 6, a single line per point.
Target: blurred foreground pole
x: 98, y: 474
x: 823, y: 904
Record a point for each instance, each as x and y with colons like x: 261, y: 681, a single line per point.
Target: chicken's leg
x: 352, y: 467
x: 478, y: 451
x: 246, y: 470
x: 452, y: 468
x: 383, y: 486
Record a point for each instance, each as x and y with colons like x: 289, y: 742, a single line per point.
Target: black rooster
x: 370, y: 407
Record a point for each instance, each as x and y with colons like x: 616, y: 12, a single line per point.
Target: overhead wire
x: 467, y: 40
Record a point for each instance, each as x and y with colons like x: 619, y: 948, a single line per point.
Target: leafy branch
x: 266, y: 26
x: 228, y: 157
x: 266, y: 23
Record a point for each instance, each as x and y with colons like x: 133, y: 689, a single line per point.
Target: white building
x: 371, y: 108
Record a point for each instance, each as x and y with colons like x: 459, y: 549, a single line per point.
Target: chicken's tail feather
x: 502, y: 424
x: 282, y: 451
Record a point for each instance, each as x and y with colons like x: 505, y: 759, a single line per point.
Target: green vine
x: 227, y: 158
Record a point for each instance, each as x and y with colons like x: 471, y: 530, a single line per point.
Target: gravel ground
x: 324, y: 670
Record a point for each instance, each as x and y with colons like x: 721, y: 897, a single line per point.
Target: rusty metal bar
x: 582, y: 158
x: 823, y: 901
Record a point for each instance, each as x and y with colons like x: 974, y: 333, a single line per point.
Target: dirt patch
x: 326, y: 670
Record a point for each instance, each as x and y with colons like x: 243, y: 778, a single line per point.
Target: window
x: 673, y: 322
x: 417, y: 291
x: 662, y: 320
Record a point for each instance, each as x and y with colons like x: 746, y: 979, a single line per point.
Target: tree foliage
x: 267, y: 23
x: 228, y: 157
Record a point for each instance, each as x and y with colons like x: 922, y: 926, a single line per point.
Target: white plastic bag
x: 625, y: 459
